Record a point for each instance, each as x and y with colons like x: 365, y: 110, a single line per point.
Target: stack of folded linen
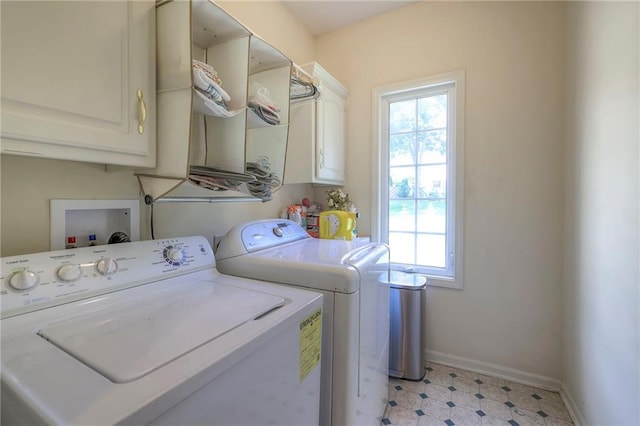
x: 263, y: 106
x: 265, y: 113
x: 208, y: 87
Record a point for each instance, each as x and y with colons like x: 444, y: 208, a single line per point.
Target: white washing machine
x: 354, y: 282
x: 150, y: 333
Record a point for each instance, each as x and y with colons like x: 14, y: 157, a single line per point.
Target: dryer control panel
x: 259, y: 235
x: 35, y: 281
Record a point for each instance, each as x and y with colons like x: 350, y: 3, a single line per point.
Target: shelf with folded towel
x: 206, y: 106
x: 268, y: 93
x: 207, y: 117
x: 254, y: 120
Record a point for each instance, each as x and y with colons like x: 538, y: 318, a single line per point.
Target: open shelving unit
x: 193, y: 140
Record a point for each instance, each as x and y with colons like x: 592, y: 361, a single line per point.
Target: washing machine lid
x: 126, y: 343
x: 327, y: 265
x: 312, y: 251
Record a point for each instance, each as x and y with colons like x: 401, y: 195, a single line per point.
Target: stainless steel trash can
x: 408, y: 300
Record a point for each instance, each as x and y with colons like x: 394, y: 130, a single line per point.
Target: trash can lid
x: 407, y: 281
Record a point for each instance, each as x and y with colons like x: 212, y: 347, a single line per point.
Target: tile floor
x: 450, y: 396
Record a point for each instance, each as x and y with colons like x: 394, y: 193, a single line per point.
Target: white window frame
x: 453, y: 277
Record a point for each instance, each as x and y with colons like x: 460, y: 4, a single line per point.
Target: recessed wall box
x: 81, y: 218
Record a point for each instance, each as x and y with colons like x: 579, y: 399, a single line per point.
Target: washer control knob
x: 174, y: 254
x: 107, y: 266
x: 23, y: 280
x: 69, y: 272
x: 277, y: 231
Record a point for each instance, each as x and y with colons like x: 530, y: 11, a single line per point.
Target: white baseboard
x: 570, y: 403
x: 495, y: 371
x: 512, y: 375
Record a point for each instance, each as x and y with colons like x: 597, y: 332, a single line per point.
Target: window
x: 419, y: 162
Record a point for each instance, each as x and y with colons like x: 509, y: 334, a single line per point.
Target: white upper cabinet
x: 316, y: 147
x: 330, y: 129
x: 78, y: 80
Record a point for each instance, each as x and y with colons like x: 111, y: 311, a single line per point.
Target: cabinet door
x: 330, y: 137
x: 77, y: 80
x: 301, y: 152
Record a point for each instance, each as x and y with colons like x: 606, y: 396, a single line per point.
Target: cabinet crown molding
x: 316, y: 70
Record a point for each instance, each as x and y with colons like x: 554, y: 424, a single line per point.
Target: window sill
x: 443, y: 282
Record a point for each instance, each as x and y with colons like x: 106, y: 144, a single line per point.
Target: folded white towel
x: 208, y: 69
x: 202, y: 80
x: 204, y: 105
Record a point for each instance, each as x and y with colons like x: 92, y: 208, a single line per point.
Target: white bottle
x: 296, y: 217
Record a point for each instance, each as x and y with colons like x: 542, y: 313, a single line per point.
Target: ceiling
x: 323, y: 16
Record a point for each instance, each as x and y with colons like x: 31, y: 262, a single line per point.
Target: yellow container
x: 337, y: 225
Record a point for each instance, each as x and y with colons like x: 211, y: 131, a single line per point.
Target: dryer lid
x: 126, y: 343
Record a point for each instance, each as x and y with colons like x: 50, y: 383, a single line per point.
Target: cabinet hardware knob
x: 142, y: 111
x: 321, y: 158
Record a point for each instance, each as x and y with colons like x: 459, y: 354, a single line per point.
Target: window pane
x: 432, y: 146
x: 402, y: 182
x: 432, y: 112
x: 402, y: 247
x: 402, y: 116
x: 431, y: 250
x: 432, y: 216
x: 402, y: 215
x: 402, y: 149
x: 432, y: 181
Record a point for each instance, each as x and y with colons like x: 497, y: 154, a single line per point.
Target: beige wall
x: 27, y: 184
x: 509, y: 313
x: 602, y: 284
x: 271, y: 21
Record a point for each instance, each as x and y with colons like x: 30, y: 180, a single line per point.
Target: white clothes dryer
x: 354, y: 280
x: 150, y: 333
